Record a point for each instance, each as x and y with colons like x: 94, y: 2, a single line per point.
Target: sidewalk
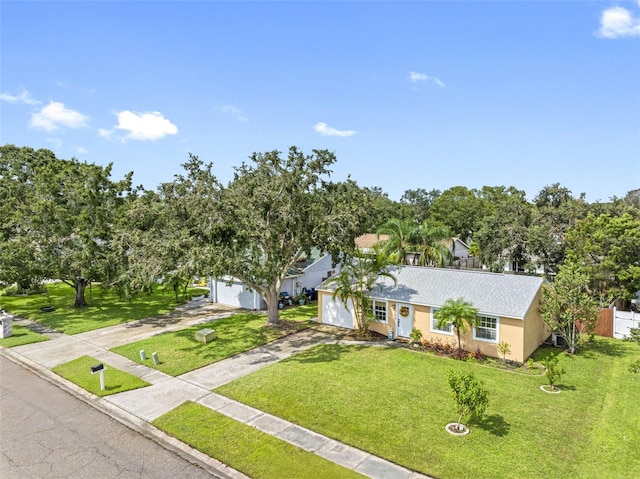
x: 138, y: 408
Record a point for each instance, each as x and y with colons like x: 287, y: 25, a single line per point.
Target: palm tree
x: 402, y: 235
x: 356, y: 281
x: 458, y: 312
x: 433, y: 244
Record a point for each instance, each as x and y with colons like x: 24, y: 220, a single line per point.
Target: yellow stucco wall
x: 536, y: 330
x: 523, y: 336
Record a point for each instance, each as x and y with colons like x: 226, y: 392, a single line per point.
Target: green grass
x: 105, y: 308
x: 395, y: 403
x: 246, y: 449
x: 78, y: 372
x: 179, y: 352
x: 22, y: 335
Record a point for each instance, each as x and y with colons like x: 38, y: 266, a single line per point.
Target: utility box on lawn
x: 206, y: 335
x: 6, y: 325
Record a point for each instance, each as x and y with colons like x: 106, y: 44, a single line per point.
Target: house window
x: 448, y: 329
x: 380, y: 311
x: 486, y: 329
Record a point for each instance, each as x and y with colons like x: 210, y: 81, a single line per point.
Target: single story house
x: 307, y: 273
x: 508, y: 308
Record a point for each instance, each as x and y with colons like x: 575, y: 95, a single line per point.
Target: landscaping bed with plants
x: 396, y: 404
x: 449, y: 350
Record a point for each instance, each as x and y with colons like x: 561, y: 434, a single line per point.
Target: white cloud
x: 82, y: 150
x: 56, y: 115
x: 23, y: 97
x: 106, y: 134
x: 415, y: 77
x: 142, y: 126
x: 237, y: 112
x: 616, y: 22
x: 56, y: 142
x: 326, y: 130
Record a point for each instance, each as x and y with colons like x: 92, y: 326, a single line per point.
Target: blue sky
x: 408, y: 95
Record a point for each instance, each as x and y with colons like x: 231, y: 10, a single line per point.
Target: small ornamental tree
x: 552, y: 372
x: 459, y: 313
x: 567, y: 306
x: 469, y: 395
x: 355, y: 282
x: 504, y: 348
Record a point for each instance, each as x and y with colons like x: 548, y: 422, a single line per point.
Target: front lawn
x: 21, y: 335
x: 78, y: 372
x: 395, y: 403
x: 105, y: 308
x: 179, y: 352
x: 245, y: 448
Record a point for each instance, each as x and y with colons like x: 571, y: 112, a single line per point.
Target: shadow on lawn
x: 323, y: 353
x: 494, y: 424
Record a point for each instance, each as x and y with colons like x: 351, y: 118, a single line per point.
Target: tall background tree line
x: 69, y: 220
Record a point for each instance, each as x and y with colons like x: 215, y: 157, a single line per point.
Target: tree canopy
x: 61, y: 224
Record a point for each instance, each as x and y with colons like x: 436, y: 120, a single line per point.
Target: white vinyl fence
x: 623, y: 321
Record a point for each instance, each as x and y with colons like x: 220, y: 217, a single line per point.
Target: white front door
x: 404, y: 320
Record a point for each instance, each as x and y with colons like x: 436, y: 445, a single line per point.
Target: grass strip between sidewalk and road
x: 245, y: 448
x: 22, y: 335
x: 179, y: 351
x: 78, y: 372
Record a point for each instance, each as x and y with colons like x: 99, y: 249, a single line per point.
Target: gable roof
x: 368, y: 240
x: 496, y: 294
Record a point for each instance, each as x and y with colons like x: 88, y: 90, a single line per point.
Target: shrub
x: 468, y: 393
x: 552, y: 371
x: 504, y: 348
x: 416, y: 335
x: 529, y: 363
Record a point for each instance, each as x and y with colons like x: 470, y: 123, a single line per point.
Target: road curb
x: 214, y: 467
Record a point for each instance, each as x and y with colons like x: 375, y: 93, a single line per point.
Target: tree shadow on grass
x: 323, y: 353
x: 493, y: 424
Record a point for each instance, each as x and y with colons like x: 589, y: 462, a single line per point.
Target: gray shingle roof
x: 497, y: 294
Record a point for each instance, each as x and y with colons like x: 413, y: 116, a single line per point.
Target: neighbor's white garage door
x: 334, y: 312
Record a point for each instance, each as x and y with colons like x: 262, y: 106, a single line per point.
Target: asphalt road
x: 47, y: 433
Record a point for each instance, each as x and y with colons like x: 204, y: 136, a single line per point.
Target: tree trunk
x: 459, y: 343
x: 23, y: 286
x: 175, y: 291
x: 271, y: 298
x: 80, y: 284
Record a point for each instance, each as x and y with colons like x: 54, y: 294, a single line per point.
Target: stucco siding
x: 536, y: 330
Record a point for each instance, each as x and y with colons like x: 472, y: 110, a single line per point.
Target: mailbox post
x: 100, y: 369
x: 6, y: 325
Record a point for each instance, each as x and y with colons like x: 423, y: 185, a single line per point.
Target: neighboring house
x: 508, y: 308
x: 367, y: 241
x: 307, y: 273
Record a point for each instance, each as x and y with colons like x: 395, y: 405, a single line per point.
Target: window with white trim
x: 447, y: 329
x: 380, y: 311
x: 486, y: 329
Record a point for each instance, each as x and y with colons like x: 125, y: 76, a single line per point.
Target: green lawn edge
x: 179, y: 352
x: 78, y: 372
x: 105, y: 307
x: 245, y: 448
x: 358, y: 395
x: 22, y: 335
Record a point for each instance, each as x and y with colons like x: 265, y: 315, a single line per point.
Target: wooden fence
x: 604, y: 325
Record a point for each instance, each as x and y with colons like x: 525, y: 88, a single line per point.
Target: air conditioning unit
x: 557, y: 339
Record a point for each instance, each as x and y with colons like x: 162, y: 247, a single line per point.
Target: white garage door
x: 334, y: 312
